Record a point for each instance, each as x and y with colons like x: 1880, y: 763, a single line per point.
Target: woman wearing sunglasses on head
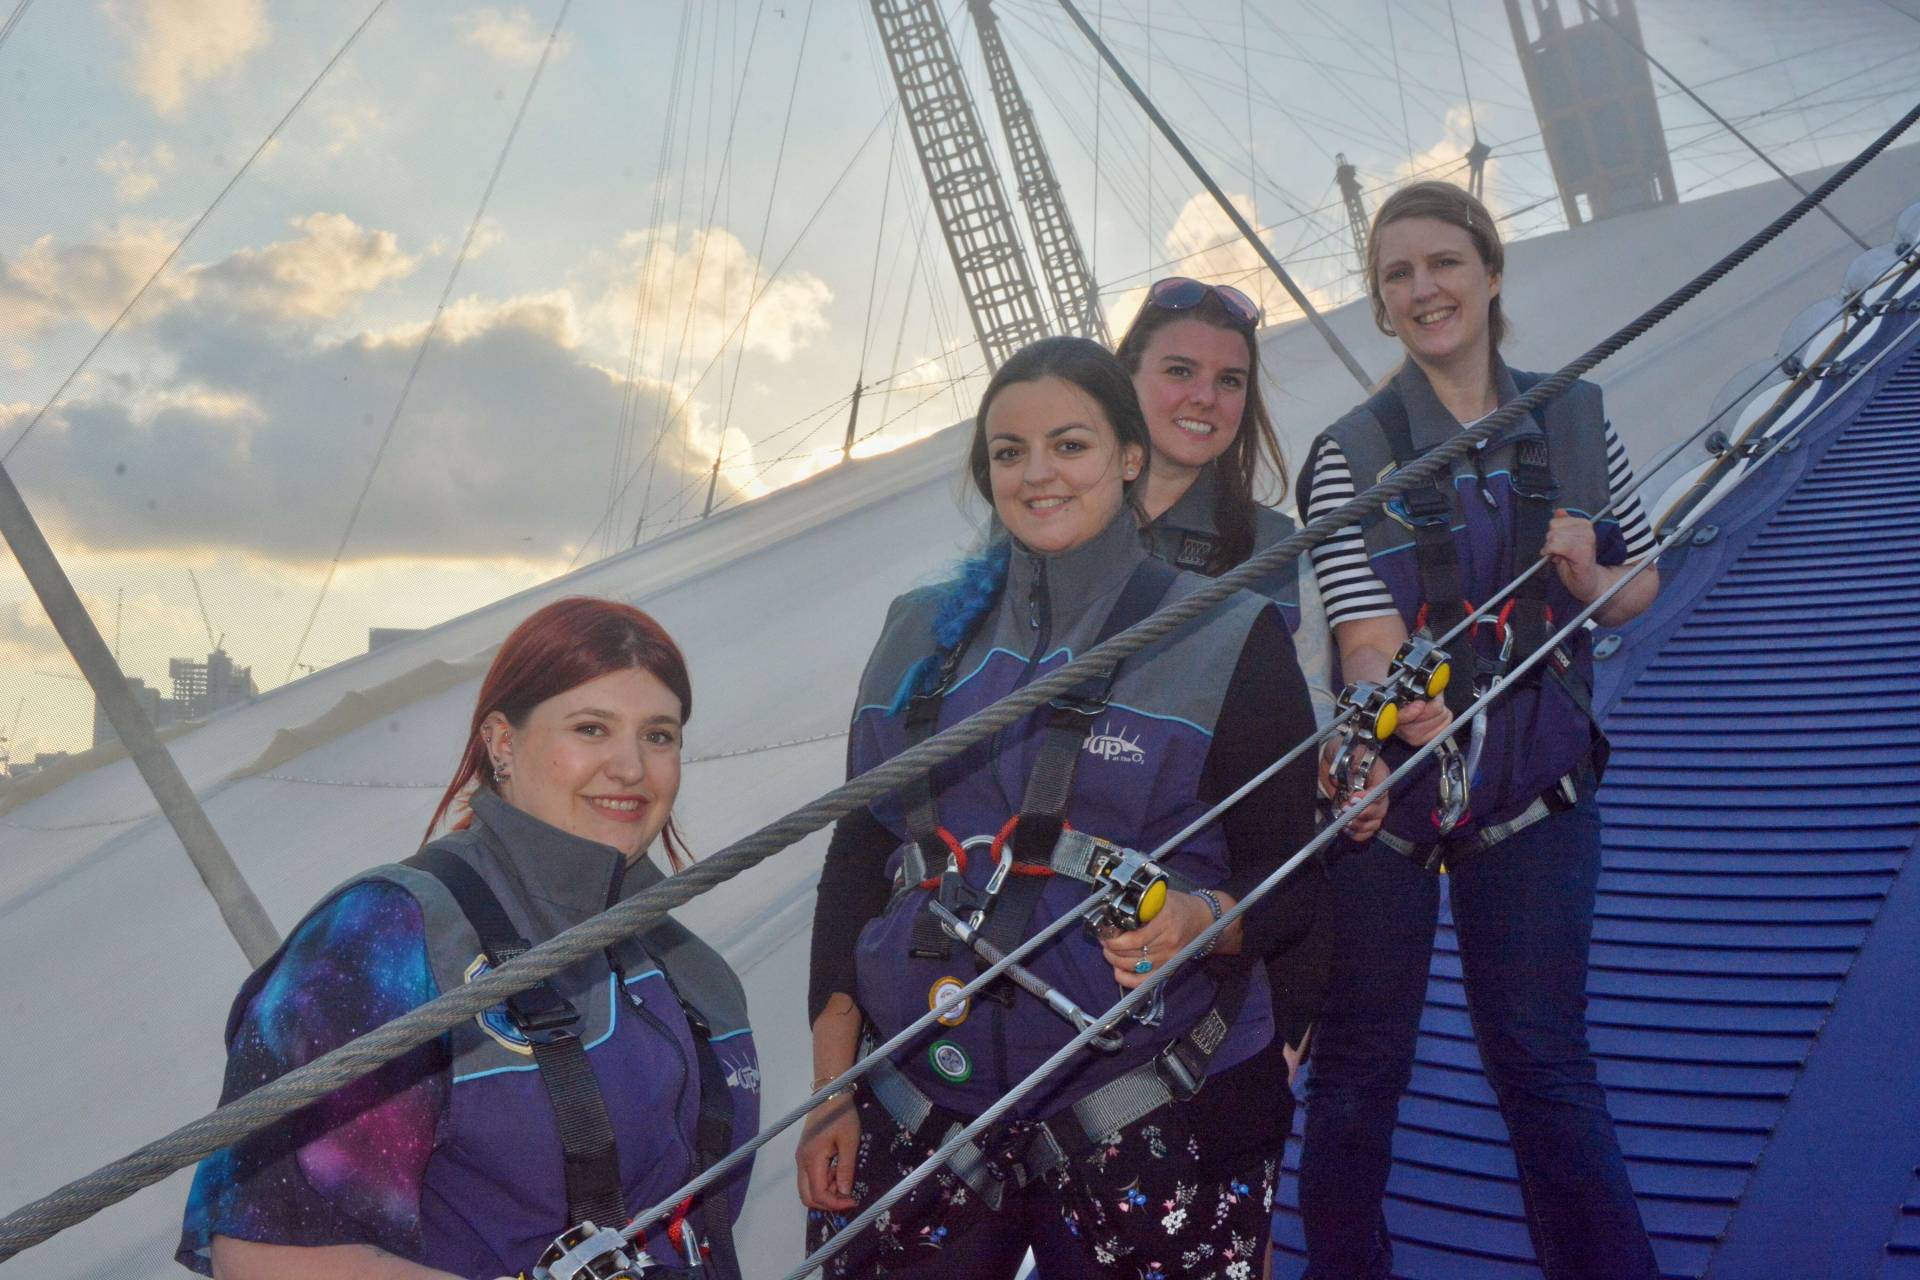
x: 1523, y: 855
x: 1121, y: 1164
x: 1195, y: 363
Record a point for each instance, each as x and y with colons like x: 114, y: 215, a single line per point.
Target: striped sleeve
x: 1348, y: 587
x: 1625, y: 500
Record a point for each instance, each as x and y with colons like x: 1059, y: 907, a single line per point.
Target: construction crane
x: 1076, y: 299
x: 213, y: 645
x: 965, y: 187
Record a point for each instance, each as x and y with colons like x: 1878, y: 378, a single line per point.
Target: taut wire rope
x: 86, y: 1196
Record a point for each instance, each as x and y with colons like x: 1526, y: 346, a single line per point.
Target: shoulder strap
x: 1070, y: 720
x: 1429, y: 511
x: 546, y: 1018
x: 1535, y: 496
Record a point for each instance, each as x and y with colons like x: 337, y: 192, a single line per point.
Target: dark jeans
x: 1523, y: 912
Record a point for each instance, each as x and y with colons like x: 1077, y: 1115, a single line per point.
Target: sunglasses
x: 1178, y: 293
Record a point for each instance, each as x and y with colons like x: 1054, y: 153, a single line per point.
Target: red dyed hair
x: 561, y: 647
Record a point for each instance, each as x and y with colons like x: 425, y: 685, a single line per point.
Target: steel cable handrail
x: 36, y: 1221
x: 1203, y: 940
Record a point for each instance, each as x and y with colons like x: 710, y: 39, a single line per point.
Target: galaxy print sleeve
x: 348, y: 1169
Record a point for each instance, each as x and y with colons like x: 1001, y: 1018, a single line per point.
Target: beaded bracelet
x: 1213, y: 905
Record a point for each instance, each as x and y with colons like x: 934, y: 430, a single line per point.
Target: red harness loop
x: 1506, y: 613
x: 1020, y: 869
x: 954, y: 848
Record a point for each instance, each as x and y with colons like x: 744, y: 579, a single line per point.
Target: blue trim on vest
x: 744, y: 1031
x: 613, y: 1020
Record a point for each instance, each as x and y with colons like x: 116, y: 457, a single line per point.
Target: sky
x: 437, y: 300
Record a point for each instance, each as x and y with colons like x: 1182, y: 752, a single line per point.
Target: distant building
x: 199, y: 689
x: 27, y: 768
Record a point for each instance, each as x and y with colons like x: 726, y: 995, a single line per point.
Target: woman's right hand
x: 1369, y: 820
x: 829, y: 1147
x: 1422, y: 721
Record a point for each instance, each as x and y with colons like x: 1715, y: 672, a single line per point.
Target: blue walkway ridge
x: 1756, y: 949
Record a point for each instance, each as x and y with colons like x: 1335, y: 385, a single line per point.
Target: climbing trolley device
x: 587, y: 1252
x: 1134, y: 889
x: 1372, y: 711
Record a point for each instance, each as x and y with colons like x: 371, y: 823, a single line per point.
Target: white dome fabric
x: 121, y: 972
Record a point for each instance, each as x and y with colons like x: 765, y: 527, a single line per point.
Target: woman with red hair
x: 587, y: 1098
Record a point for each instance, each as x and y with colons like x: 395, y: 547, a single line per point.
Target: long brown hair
x: 1239, y: 464
x: 1457, y: 207
x: 561, y: 647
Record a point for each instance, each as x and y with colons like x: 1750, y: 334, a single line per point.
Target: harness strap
x: 1173, y: 1075
x: 1558, y: 798
x: 1536, y: 494
x: 712, y: 1140
x: 1070, y: 722
x: 545, y: 1017
x: 1430, y: 512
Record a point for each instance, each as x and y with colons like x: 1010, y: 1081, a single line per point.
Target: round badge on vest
x: 950, y: 1062
x: 946, y: 1000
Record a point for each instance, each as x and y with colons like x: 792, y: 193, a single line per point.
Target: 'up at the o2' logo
x: 1108, y: 745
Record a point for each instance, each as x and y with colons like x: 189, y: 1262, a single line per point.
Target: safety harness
x: 1521, y: 628
x: 1035, y: 844
x: 1028, y: 849
x: 547, y: 1019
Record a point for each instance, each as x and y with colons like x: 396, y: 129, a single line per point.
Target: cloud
x: 136, y: 176
x: 701, y: 283
x: 331, y: 265
x: 1204, y: 243
x: 180, y: 44
x: 50, y: 281
x: 502, y: 451
x: 507, y: 37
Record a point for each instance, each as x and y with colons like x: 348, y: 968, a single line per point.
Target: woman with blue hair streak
x: 1127, y: 1161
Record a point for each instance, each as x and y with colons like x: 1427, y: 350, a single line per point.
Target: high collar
x: 1077, y: 580
x: 1193, y: 510
x: 567, y: 877
x: 1431, y: 422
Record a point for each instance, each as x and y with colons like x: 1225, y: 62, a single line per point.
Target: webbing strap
x: 712, y: 1139
x: 592, y: 1157
x: 1536, y: 494
x: 1070, y: 721
x: 1430, y: 511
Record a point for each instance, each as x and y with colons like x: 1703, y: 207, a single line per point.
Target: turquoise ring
x: 1143, y: 965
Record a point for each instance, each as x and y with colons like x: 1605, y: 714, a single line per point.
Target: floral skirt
x: 1139, y: 1206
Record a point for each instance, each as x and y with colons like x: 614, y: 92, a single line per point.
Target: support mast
x: 1076, y: 300
x: 967, y: 196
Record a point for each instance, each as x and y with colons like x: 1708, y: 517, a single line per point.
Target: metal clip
x: 587, y: 1252
x: 1025, y: 978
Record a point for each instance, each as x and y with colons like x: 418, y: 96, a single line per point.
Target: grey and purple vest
x: 1137, y: 784
x: 1186, y: 536
x: 1537, y: 733
x: 494, y: 1192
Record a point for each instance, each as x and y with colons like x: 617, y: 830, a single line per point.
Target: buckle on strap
x: 1182, y: 1066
